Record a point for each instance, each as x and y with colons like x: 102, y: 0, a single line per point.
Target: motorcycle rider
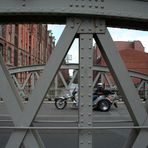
x: 99, y: 90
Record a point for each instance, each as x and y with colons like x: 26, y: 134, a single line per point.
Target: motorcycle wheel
x: 60, y: 104
x: 104, y: 105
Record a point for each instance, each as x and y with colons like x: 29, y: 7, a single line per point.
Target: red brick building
x: 25, y: 44
x: 132, y: 54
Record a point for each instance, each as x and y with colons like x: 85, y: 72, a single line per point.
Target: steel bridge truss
x: 33, y: 73
x: 86, y: 30
x: 90, y: 21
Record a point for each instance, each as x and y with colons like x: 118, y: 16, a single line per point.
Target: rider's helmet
x: 100, y: 84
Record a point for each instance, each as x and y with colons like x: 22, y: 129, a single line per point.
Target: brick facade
x: 132, y: 54
x: 25, y: 44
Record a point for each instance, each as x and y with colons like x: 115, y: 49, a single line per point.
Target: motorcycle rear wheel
x: 104, y: 105
x: 60, y: 104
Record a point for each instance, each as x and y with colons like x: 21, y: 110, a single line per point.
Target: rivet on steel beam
x: 82, y: 76
x: 90, y: 5
x: 90, y: 76
x: 24, y: 5
x: 90, y: 57
x: 89, y: 123
x: 82, y: 67
x: 81, y: 142
x: 82, y: 86
x: 82, y: 57
x: 77, y: 23
x: 82, y: 114
x: 77, y: 5
x: 89, y: 105
x: 71, y: 5
x: 82, y: 5
x: 96, y: 6
x: 82, y: 105
x: 82, y: 38
x: 102, y: 7
x: 89, y: 142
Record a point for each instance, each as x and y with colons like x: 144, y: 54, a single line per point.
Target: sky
x: 116, y: 33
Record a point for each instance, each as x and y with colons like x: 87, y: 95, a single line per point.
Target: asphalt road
x: 49, y: 116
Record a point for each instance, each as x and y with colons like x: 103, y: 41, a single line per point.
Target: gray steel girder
x: 113, y: 8
x: 35, y: 68
x: 118, y: 13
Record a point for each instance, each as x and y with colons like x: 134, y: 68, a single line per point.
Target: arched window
x: 9, y: 55
x: 21, y: 58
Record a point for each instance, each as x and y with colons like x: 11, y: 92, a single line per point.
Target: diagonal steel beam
x: 15, y: 106
x: 96, y: 79
x: 27, y: 79
x: 73, y: 78
x: 43, y: 84
x: 63, y: 79
x: 108, y: 80
x: 122, y: 79
x: 18, y: 86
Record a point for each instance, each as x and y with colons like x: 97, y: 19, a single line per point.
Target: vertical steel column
x: 85, y: 106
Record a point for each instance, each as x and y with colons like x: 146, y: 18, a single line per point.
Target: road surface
x: 49, y: 116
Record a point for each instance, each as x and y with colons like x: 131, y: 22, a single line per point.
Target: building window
x: 21, y: 59
x: 1, y: 49
x: 9, y: 55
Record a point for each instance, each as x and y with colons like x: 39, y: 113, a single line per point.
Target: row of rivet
x: 83, y: 6
x: 88, y: 5
x: 82, y: 77
x: 85, y: 119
